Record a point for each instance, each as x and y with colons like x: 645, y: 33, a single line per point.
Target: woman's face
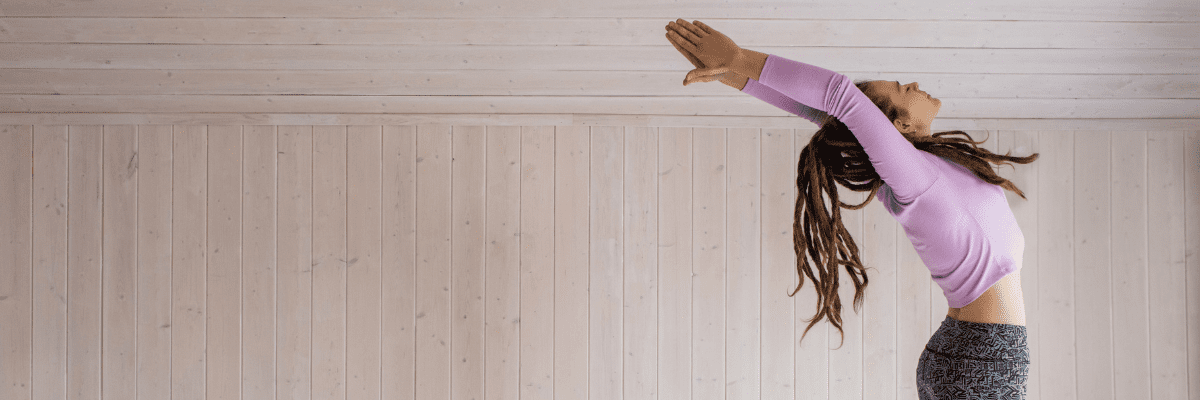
x: 921, y: 106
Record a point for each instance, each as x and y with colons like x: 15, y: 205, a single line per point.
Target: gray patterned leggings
x: 971, y: 360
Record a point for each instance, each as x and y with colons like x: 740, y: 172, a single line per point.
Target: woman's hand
x: 675, y: 39
x: 710, y: 51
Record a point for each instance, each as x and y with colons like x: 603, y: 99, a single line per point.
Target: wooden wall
x: 1021, y: 65
x: 499, y: 199
x: 542, y: 262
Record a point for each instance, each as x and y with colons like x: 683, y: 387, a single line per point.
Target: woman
x: 949, y: 201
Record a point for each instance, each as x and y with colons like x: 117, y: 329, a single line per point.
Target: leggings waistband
x: 980, y: 341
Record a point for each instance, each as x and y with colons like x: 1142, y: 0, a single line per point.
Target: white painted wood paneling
x: 1139, y: 60
x: 294, y: 252
x: 189, y: 263
x: 399, y: 265
x: 1057, y: 350
x: 1019, y: 65
x: 329, y: 265
x: 710, y: 322
x: 537, y: 263
x: 1166, y: 260
x: 675, y: 260
x: 468, y: 191
x: 48, y: 155
x: 502, y: 306
x: 432, y: 264
x: 1130, y: 297
x: 1070, y: 10
x: 605, y: 279
x: 983, y: 84
x: 223, y: 313
x: 891, y: 32
x: 1191, y: 150
x: 259, y: 231
x: 120, y: 266
x: 572, y: 172
x: 17, y: 300
x: 520, y: 200
x: 1091, y: 195
x: 640, y: 292
x: 735, y: 106
x: 363, y: 249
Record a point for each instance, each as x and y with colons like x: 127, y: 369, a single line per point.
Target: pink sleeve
x: 905, y: 169
x: 764, y: 93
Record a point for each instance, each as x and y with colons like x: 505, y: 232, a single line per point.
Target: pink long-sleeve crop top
x: 960, y: 225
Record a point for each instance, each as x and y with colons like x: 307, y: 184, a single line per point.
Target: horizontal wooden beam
x: 940, y: 124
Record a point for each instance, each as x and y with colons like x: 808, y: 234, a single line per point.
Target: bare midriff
x: 1003, y: 303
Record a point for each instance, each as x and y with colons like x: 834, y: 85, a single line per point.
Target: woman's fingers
x: 686, y: 31
x: 683, y: 42
x: 704, y: 75
x: 701, y: 79
x: 691, y: 29
x: 682, y: 34
x: 695, y: 61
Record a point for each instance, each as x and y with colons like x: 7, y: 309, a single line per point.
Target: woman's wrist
x: 750, y: 63
x: 735, y: 81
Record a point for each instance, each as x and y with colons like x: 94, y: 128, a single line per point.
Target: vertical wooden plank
x: 1024, y: 176
x: 709, y: 266
x: 468, y: 168
x: 744, y: 287
x: 329, y: 262
x: 223, y: 341
x: 293, y: 330
x: 1093, y: 241
x: 84, y: 266
x: 154, y: 262
x: 571, y: 168
x: 778, y: 198
x: 1130, y: 304
x: 363, y: 376
x: 258, y: 266
x: 605, y: 283
x: 49, y: 171
x: 503, y: 303
x: 399, y: 263
x: 16, y: 291
x: 812, y: 351
x: 189, y: 244
x: 119, y: 188
x: 675, y: 263
x: 537, y: 262
x: 846, y: 354
x: 1168, y: 310
x: 1191, y: 197
x: 880, y: 325
x: 640, y: 230
x: 433, y: 261
x: 1056, y: 240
